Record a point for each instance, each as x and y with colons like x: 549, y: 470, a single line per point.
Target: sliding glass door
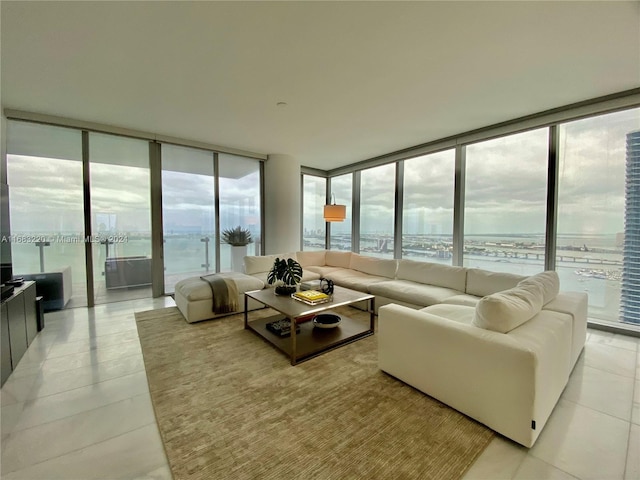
x: 239, y: 184
x: 72, y: 192
x: 188, y: 213
x: 120, y: 217
x: 44, y: 174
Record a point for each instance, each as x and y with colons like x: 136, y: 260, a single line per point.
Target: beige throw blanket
x: 224, y: 293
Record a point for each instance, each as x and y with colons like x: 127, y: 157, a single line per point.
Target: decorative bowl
x: 326, y: 320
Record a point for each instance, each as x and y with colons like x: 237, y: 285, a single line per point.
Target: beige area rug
x: 230, y: 406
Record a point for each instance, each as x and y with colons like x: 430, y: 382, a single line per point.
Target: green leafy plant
x: 237, y: 237
x: 285, y: 274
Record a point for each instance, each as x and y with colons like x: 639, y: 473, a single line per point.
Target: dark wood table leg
x: 372, y: 318
x: 246, y: 321
x: 294, y: 324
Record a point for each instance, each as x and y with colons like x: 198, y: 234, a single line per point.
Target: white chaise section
x: 504, y: 362
x: 193, y: 296
x: 509, y: 382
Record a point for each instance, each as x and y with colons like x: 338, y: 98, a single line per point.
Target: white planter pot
x: 237, y: 258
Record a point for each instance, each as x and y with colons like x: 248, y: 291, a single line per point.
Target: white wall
x: 282, y: 204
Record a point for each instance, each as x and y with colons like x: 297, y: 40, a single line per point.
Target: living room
x: 285, y: 103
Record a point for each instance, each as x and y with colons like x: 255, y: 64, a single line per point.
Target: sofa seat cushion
x: 432, y: 274
x: 412, y: 292
x: 483, y: 282
x: 464, y: 299
x: 457, y: 313
x: 354, y: 280
x: 262, y: 276
x: 195, y: 288
x: 506, y: 310
x: 575, y: 305
x: 308, y: 274
x: 323, y: 271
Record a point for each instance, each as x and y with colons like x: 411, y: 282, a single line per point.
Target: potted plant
x: 285, y: 274
x: 238, y: 238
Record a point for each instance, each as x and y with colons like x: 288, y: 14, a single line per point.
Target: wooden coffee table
x: 310, y: 341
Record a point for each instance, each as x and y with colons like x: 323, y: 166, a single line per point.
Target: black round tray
x: 326, y: 320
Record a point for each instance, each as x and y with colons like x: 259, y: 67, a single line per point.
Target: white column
x: 282, y: 198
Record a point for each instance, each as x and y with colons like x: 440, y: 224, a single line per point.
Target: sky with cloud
x: 506, y: 184
x: 505, y: 187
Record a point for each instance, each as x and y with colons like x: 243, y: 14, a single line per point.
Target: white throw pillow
x: 548, y: 281
x: 506, y: 310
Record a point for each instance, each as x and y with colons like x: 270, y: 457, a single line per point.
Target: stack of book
x: 311, y: 297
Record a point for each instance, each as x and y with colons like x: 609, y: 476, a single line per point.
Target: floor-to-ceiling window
x: 188, y: 213
x: 505, y: 203
x: 239, y: 193
x: 44, y: 174
x: 341, y: 191
x: 377, y: 205
x: 50, y: 177
x: 120, y: 217
x: 427, y: 213
x: 592, y: 186
x: 314, y: 195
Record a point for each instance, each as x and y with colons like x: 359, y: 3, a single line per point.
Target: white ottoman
x: 194, y: 299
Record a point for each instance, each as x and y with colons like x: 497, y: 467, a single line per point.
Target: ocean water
x: 186, y: 254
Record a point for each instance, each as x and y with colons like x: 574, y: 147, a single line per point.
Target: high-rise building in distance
x: 630, y: 287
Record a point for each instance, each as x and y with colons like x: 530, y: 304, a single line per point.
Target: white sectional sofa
x: 497, y: 347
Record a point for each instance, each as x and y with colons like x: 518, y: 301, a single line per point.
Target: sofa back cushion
x: 483, y: 282
x: 548, y: 281
x: 503, y: 311
x: 432, y: 274
x: 334, y: 258
x: 258, y: 264
x: 306, y: 259
x: 263, y: 263
x: 379, y: 267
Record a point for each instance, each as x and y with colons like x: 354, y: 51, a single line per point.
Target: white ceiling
x: 361, y: 79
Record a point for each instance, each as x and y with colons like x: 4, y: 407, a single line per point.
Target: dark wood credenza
x: 19, y: 324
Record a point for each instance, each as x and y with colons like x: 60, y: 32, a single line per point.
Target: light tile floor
x: 78, y: 407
